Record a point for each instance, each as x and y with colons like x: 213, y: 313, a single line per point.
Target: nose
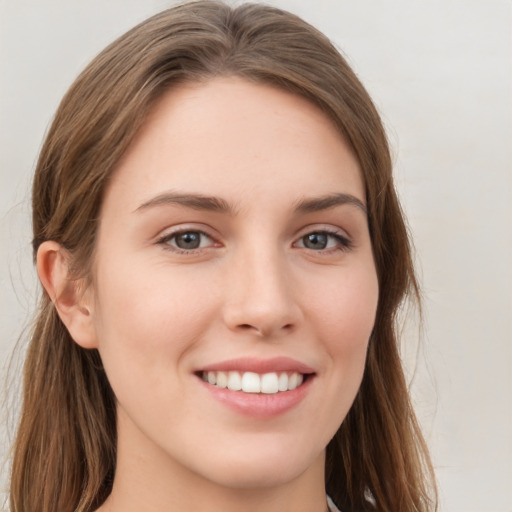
x: 261, y: 299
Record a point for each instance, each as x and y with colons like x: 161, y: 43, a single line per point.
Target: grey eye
x: 188, y: 240
x: 316, y: 241
x: 324, y: 241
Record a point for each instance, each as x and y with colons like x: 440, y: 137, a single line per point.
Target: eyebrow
x: 195, y: 201
x: 330, y: 201
x: 217, y: 204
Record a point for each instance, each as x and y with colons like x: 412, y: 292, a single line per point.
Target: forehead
x: 231, y: 137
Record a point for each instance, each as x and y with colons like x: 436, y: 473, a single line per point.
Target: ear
x: 70, y: 297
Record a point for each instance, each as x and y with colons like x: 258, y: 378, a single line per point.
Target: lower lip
x: 260, y: 405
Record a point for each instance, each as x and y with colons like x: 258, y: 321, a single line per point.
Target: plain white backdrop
x: 440, y: 72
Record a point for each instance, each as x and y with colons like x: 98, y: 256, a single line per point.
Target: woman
x: 223, y: 256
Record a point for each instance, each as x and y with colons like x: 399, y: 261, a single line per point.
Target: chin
x: 263, y: 469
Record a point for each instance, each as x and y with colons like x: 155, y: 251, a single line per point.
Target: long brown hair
x: 65, y: 450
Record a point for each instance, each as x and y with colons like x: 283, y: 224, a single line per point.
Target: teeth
x: 222, y: 379
x: 294, y: 380
x: 270, y: 383
x: 234, y: 381
x: 282, y: 384
x: 250, y: 382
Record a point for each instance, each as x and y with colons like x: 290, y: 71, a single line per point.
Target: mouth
x: 258, y: 388
x: 269, y: 383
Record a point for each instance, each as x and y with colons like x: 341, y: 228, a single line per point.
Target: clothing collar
x: 331, y: 505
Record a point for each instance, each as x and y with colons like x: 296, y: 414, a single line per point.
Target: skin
x: 253, y: 288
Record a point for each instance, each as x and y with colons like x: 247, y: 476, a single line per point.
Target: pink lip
x: 259, y: 405
x: 248, y: 364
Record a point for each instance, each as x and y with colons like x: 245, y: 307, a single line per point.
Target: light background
x: 440, y: 73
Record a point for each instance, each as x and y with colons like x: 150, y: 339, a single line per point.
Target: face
x: 233, y: 251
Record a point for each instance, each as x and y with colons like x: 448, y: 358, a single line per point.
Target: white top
x: 332, y: 506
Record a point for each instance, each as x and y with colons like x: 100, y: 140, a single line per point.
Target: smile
x: 258, y: 388
x: 251, y: 382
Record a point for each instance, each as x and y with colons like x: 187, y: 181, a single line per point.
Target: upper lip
x: 261, y: 366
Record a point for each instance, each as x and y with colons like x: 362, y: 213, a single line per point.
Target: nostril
x: 264, y: 330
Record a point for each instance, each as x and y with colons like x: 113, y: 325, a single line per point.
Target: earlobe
x: 68, y: 295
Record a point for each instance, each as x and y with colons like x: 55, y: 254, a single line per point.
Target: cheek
x: 146, y: 320
x: 343, y: 312
x: 346, y: 306
x: 345, y: 316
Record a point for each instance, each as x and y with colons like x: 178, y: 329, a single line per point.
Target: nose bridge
x: 261, y: 297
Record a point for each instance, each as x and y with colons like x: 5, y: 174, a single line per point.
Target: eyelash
x: 343, y: 243
x: 166, y: 239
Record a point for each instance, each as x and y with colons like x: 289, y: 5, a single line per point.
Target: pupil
x: 188, y: 240
x: 315, y: 241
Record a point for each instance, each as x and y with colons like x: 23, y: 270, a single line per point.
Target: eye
x: 188, y: 240
x: 324, y: 240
